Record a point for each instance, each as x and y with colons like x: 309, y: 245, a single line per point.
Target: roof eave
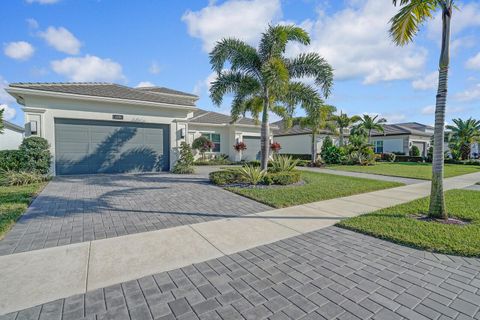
x: 17, y: 92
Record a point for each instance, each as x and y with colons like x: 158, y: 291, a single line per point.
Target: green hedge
x: 11, y: 160
x: 298, y: 156
x: 225, y: 177
x: 33, y: 155
x: 400, y: 158
x: 282, y: 178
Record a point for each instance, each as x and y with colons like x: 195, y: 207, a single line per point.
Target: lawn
x: 13, y: 202
x: 317, y: 187
x: 394, y: 224
x: 409, y: 169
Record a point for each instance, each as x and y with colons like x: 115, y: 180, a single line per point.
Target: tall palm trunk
x: 340, y: 142
x: 314, y: 147
x: 265, y: 134
x: 437, y: 200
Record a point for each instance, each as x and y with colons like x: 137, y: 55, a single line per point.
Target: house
x: 109, y: 128
x: 398, y: 138
x: 401, y: 137
x: 12, y: 136
x: 297, y: 140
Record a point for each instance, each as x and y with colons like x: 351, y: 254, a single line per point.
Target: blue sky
x: 166, y: 43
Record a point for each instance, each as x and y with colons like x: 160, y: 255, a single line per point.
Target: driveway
x: 90, y: 207
x: 327, y: 274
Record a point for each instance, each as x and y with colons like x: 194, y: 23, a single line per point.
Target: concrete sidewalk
x: 32, y: 278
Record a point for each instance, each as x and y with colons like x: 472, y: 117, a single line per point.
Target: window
x: 215, y: 138
x: 378, y: 146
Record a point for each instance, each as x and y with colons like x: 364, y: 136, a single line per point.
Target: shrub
x: 364, y: 158
x: 331, y: 155
x: 252, y: 175
x: 224, y: 177
x: 184, y: 164
x: 20, y: 178
x: 275, y: 147
x: 240, y: 146
x: 203, y: 145
x: 414, y: 151
x: 390, y: 157
x: 11, y: 160
x: 213, y: 162
x: 37, y: 155
x: 298, y: 156
x: 408, y: 159
x: 283, y: 164
x: 430, y: 154
x: 304, y: 163
x: 282, y: 178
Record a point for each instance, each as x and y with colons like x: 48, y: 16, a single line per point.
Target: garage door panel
x: 110, y: 147
x: 253, y: 148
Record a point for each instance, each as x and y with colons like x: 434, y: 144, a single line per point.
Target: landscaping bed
x: 400, y: 224
x: 316, y: 187
x: 408, y: 169
x: 14, y: 200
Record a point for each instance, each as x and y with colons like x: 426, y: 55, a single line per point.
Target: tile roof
x: 111, y: 90
x: 167, y: 91
x: 211, y: 117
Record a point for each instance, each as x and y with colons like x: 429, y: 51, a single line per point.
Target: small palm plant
x: 369, y: 123
x: 251, y: 174
x: 283, y: 163
x: 465, y: 133
x: 343, y: 121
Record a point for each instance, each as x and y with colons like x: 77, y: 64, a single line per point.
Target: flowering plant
x: 275, y: 146
x: 240, y: 146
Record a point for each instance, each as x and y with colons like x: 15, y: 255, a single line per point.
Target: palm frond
x: 241, y: 56
x: 230, y: 82
x: 406, y: 23
x: 275, y: 39
x: 312, y: 65
x: 275, y: 75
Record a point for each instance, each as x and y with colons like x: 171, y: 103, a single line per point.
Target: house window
x: 378, y: 146
x: 215, y: 138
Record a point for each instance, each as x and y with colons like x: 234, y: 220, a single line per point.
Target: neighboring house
x: 12, y: 136
x: 108, y: 128
x: 224, y: 133
x: 400, y: 137
x: 298, y: 140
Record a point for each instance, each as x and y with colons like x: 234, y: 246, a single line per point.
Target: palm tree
x: 465, y: 133
x: 369, y: 123
x: 317, y: 120
x: 404, y: 26
x: 1, y: 120
x: 343, y: 121
x: 261, y: 79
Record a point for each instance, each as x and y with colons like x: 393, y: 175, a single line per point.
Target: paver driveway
x: 83, y: 208
x: 327, y: 274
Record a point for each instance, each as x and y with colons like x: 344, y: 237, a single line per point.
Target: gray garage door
x: 253, y: 148
x: 90, y: 146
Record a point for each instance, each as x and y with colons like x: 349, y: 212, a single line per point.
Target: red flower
x: 240, y: 146
x: 275, y: 146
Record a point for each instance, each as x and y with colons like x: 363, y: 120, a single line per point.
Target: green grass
x: 394, y: 224
x: 317, y: 187
x: 13, y: 202
x: 409, y: 169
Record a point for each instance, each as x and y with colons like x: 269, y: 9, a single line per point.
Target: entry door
x: 91, y: 146
x: 253, y: 148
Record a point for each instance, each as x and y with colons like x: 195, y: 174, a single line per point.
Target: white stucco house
x: 109, y: 128
x: 12, y: 136
x: 397, y: 138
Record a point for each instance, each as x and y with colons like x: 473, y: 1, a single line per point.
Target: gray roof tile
x: 110, y: 90
x: 167, y: 91
x: 211, y: 117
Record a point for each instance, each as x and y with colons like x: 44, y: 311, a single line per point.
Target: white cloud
x: 430, y: 81
x: 88, y: 68
x: 32, y: 23
x: 428, y: 110
x: 474, y: 62
x: 355, y: 41
x: 43, y: 1
x: 469, y: 94
x: 8, y: 112
x: 154, y: 68
x: 243, y: 19
x: 205, y: 84
x: 391, y: 117
x: 61, y: 39
x: 20, y: 50
x: 142, y: 84
x: 468, y: 16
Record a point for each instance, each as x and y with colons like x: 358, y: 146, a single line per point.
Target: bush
x: 298, y: 156
x: 202, y: 144
x: 331, y: 155
x: 283, y: 164
x: 37, y: 155
x: 304, y: 163
x: 184, y: 164
x: 430, y: 154
x: 213, y: 162
x: 224, y: 177
x: 20, y: 178
x: 414, y: 151
x: 364, y: 158
x: 11, y: 160
x: 282, y: 178
x: 390, y: 157
x: 251, y: 175
x: 408, y: 159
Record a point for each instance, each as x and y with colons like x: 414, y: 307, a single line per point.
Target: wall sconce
x: 182, y: 133
x: 33, y: 127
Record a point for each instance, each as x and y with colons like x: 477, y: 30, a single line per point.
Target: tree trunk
x: 265, y: 135
x: 340, y: 142
x: 437, y: 200
x: 369, y: 136
x: 314, y: 147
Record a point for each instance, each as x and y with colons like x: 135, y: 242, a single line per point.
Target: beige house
x: 109, y: 128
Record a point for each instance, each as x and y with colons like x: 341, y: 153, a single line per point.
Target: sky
x: 166, y: 43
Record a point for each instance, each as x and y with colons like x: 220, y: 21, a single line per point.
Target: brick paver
x: 83, y: 208
x: 327, y: 274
